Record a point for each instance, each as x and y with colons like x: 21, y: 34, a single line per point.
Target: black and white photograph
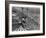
x: 25, y: 19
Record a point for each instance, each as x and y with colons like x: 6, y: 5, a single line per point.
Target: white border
x: 25, y: 32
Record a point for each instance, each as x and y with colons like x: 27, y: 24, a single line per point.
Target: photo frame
x: 24, y: 18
